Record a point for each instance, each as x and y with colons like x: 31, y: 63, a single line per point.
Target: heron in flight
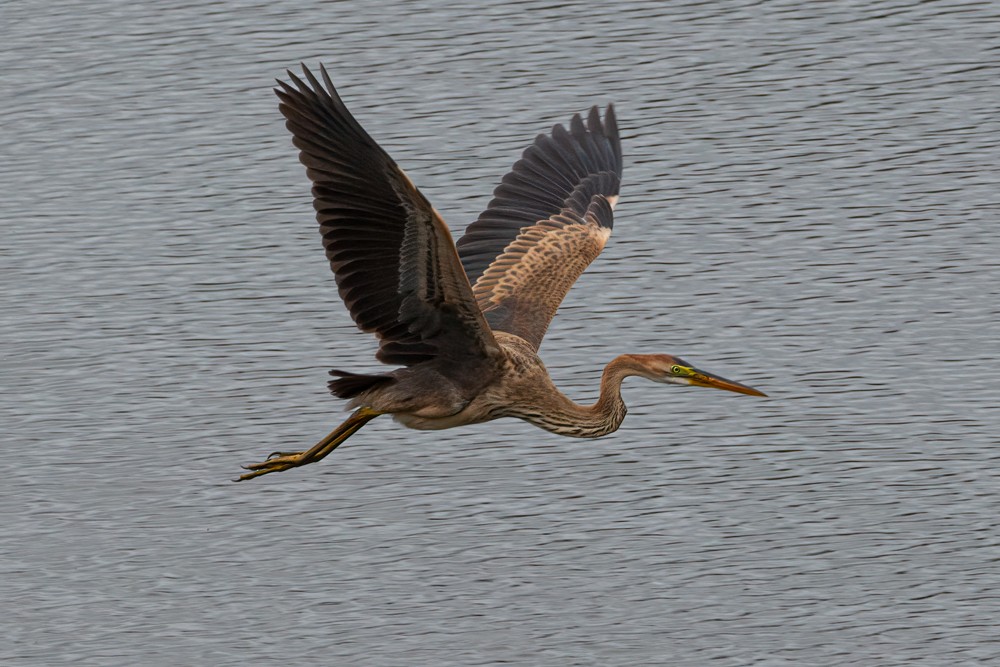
x: 463, y: 322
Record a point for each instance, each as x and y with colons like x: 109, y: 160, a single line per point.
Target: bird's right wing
x: 549, y: 219
x: 393, y: 258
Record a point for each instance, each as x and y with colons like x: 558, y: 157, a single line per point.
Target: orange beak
x: 705, y: 379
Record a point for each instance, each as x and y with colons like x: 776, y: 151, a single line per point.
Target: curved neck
x: 565, y: 417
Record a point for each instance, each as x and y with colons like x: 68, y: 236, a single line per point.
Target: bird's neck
x: 566, y: 417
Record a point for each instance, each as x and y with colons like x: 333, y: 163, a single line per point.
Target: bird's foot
x: 276, y: 462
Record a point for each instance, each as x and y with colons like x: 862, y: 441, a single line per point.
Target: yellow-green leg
x: 279, y: 461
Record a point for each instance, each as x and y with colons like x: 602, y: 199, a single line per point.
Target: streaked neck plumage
x: 563, y: 416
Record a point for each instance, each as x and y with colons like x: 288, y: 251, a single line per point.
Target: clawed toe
x: 276, y: 462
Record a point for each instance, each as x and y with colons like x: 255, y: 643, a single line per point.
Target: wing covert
x: 521, y: 290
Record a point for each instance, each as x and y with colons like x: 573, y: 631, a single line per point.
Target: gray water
x: 810, y: 206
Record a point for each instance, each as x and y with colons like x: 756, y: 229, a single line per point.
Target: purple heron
x: 463, y: 322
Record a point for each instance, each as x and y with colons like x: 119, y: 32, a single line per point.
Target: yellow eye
x: 676, y: 370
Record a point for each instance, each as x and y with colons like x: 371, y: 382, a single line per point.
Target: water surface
x: 810, y: 206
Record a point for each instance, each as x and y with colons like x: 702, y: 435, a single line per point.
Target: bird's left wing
x: 549, y: 219
x: 394, y: 260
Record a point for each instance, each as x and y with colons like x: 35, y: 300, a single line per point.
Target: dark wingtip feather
x: 600, y: 211
x: 594, y: 119
x: 611, y: 128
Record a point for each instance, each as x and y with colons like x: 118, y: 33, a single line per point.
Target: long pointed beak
x: 705, y: 379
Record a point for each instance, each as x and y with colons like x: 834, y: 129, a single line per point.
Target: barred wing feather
x: 549, y: 219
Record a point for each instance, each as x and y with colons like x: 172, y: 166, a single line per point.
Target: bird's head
x: 674, y: 370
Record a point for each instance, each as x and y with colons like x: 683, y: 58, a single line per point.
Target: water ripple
x: 809, y: 206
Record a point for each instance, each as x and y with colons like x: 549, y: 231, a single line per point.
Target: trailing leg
x: 279, y: 461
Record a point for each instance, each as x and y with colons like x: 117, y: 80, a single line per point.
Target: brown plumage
x: 464, y: 322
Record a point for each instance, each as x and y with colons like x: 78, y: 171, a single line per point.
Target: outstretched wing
x: 549, y: 219
x: 392, y: 256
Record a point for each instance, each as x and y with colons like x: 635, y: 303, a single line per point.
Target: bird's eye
x: 676, y: 370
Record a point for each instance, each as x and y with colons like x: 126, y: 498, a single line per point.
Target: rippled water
x: 810, y: 206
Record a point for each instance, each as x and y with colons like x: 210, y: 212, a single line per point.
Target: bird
x: 463, y: 322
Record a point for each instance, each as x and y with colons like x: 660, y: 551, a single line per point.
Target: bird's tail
x: 349, y: 385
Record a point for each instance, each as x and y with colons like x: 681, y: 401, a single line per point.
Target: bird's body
x: 519, y: 386
x: 463, y: 323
